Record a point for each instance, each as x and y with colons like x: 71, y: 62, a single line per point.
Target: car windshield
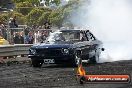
x: 74, y: 36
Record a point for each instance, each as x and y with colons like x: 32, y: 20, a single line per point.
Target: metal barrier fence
x: 14, y: 50
x: 10, y: 33
x: 19, y: 35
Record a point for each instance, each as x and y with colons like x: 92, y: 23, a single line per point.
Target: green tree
x: 56, y: 18
x: 24, y: 7
x: 44, y: 18
x: 62, y: 15
x: 18, y: 1
x: 48, y: 2
x: 68, y: 10
x: 33, y: 16
x: 20, y: 18
x: 4, y: 18
x: 36, y: 2
x: 57, y: 2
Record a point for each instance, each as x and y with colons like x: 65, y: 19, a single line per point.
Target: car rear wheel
x: 37, y: 63
x: 93, y: 60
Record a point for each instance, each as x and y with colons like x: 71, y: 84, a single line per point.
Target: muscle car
x: 66, y: 47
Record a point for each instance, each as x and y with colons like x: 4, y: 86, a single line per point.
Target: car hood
x: 53, y: 45
x: 66, y: 44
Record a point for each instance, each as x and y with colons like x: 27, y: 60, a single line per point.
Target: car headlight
x: 66, y: 51
x: 32, y: 51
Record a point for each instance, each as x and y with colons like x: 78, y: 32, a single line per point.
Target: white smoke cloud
x: 111, y: 22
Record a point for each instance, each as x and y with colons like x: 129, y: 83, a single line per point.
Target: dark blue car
x: 66, y: 47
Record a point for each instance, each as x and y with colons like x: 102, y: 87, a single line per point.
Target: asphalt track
x: 18, y: 75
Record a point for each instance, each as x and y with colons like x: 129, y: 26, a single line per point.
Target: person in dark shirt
x: 26, y: 31
x: 47, y: 25
x: 43, y: 36
x: 1, y: 33
x: 12, y: 22
x: 18, y: 39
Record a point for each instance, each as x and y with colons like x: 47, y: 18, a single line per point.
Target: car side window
x: 90, y: 36
x: 83, y: 36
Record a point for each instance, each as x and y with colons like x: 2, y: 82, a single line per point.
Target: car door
x: 92, y: 43
x: 84, y: 45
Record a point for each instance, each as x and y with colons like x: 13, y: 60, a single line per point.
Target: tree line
x: 30, y: 12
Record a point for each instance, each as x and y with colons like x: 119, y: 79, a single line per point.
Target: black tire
x: 93, y: 60
x: 37, y: 63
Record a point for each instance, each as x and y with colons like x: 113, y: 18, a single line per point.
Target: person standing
x: 12, y: 22
x: 43, y: 36
x: 29, y: 39
x: 18, y: 39
x: 1, y: 35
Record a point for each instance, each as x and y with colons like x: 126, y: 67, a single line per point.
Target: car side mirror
x: 102, y: 49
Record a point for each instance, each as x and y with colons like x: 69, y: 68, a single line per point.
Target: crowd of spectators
x: 3, y: 31
x: 27, y: 35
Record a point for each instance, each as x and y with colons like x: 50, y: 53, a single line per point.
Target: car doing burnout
x: 66, y: 47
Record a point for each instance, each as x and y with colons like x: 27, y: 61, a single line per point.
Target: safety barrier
x: 14, y: 50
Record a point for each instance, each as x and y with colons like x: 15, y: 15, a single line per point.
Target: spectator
x: 43, y: 36
x: 3, y: 30
x: 29, y: 39
x: 36, y: 37
x: 1, y: 35
x: 18, y: 39
x: 21, y: 38
x: 26, y: 31
x: 12, y: 22
x: 47, y: 25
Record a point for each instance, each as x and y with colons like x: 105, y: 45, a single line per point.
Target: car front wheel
x: 77, y: 60
x: 93, y: 60
x: 37, y: 63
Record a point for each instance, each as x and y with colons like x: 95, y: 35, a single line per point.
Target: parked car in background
x: 67, y: 47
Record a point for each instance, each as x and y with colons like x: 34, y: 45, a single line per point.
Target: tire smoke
x: 111, y: 22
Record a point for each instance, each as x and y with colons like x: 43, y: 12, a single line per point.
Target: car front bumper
x: 57, y: 59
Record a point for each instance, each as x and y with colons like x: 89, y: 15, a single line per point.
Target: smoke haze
x: 111, y: 22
